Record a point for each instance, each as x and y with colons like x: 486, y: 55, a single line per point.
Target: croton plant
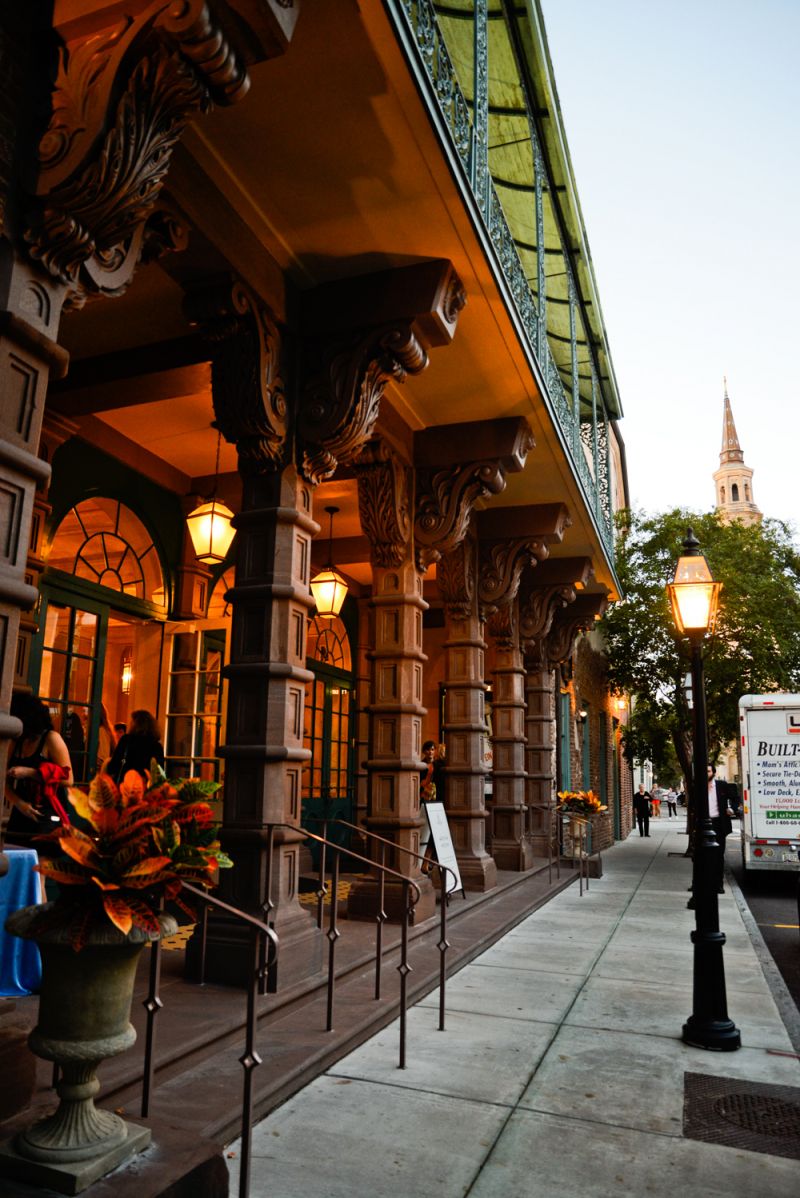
x: 143, y: 841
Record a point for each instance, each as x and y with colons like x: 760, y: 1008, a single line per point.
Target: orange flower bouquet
x: 580, y: 802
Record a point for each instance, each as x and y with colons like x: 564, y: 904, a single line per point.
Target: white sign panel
x: 774, y: 767
x: 443, y: 843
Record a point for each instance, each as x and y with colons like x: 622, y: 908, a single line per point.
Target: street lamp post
x: 694, y: 596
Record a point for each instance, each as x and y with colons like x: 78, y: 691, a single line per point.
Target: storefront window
x: 194, y: 704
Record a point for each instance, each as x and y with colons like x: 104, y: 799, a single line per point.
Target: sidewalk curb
x: 778, y: 988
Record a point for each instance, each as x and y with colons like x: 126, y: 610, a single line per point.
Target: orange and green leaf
x: 63, y: 871
x: 118, y: 910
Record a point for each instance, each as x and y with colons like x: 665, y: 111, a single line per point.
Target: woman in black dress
x: 39, y: 743
x: 137, y: 748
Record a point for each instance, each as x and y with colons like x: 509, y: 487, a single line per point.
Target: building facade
x: 325, y: 264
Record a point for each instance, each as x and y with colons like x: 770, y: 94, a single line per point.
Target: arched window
x: 103, y: 542
x: 734, y: 493
x: 328, y: 643
x: 747, y: 492
x: 722, y: 495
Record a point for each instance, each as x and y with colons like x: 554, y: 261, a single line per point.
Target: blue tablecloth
x: 20, y: 964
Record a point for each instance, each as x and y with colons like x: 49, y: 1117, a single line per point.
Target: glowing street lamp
x: 694, y: 596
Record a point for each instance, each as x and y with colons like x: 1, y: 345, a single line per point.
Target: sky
x: 682, y: 122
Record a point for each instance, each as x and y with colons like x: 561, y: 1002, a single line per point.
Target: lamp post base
x: 718, y: 1035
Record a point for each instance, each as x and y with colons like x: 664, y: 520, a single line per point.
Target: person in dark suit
x: 721, y: 813
x: 641, y: 809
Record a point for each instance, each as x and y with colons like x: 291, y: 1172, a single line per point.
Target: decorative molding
x: 123, y: 95
x: 384, y: 504
x: 340, y: 404
x: 247, y: 387
x: 500, y: 569
x: 456, y: 579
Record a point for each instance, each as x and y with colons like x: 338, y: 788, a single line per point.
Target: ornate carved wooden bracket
x: 456, y: 579
x: 500, y: 569
x: 341, y: 404
x: 448, y: 491
x: 567, y: 623
x: 503, y: 625
x: 247, y: 388
x: 360, y: 334
x: 384, y: 504
x: 538, y: 611
x: 125, y: 89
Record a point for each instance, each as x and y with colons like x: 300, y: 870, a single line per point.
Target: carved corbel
x: 578, y: 617
x: 341, y: 403
x: 247, y: 387
x: 360, y: 333
x: 539, y: 608
x: 384, y: 504
x: 123, y: 94
x: 500, y: 570
x: 456, y: 579
x: 449, y: 482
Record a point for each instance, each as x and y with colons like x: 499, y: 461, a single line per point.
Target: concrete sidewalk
x: 561, y: 1072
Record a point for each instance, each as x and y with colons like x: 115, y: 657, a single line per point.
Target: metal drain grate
x: 739, y: 1114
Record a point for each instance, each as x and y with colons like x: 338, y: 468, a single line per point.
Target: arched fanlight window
x: 103, y: 542
x: 218, y: 606
x: 329, y: 643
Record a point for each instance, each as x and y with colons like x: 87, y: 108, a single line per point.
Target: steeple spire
x: 731, y: 449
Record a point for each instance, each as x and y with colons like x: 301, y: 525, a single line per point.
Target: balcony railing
x: 458, y: 83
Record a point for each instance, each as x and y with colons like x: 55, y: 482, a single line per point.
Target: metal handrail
x: 411, y: 896
x: 553, y: 839
x: 584, y: 853
x: 444, y: 943
x: 262, y: 979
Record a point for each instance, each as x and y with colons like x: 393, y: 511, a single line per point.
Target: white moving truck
x: 770, y: 750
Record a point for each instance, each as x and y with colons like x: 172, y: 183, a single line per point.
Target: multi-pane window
x: 67, y: 677
x: 194, y: 707
x: 103, y: 542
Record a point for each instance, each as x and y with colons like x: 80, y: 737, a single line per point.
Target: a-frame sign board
x: 443, y: 845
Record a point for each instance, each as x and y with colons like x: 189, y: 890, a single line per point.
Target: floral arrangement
x: 580, y: 802
x: 144, y: 842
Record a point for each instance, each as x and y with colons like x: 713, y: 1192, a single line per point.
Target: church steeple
x: 733, y: 480
x: 731, y: 449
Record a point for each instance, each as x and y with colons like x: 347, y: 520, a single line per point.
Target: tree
x: 756, y: 647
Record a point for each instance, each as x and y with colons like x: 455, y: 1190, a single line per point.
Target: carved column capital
x: 126, y: 86
x: 341, y: 401
x: 503, y: 625
x: 456, y: 576
x: 384, y: 504
x: 500, y: 569
x: 247, y: 387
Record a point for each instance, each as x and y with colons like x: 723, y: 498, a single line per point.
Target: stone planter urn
x: 84, y: 1017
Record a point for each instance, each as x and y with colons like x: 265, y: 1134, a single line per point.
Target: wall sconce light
x: 210, y: 524
x: 328, y: 587
x: 127, y: 670
x: 583, y: 715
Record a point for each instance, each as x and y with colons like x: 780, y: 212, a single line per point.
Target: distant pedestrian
x: 655, y: 802
x: 641, y: 809
x: 671, y: 799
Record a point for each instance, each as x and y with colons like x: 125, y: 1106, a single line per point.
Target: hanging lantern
x: 211, y: 531
x: 328, y: 587
x: 210, y: 524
